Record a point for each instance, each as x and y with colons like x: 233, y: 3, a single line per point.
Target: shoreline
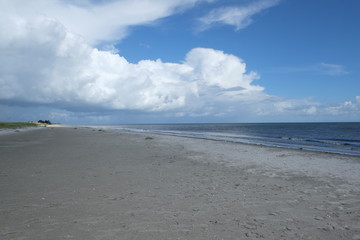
x: 245, y: 143
x: 300, y: 161
x: 303, y: 161
x: 322, y: 145
x: 76, y: 182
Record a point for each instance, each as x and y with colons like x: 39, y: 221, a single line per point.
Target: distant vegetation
x: 18, y: 124
x: 24, y: 124
x: 44, y: 121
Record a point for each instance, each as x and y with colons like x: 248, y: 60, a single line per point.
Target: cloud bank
x: 44, y: 63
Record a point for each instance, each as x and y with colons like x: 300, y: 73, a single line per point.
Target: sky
x: 179, y: 61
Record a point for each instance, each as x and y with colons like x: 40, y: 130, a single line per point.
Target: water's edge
x: 340, y: 138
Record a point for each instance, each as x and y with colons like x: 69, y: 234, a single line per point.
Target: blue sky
x: 123, y: 61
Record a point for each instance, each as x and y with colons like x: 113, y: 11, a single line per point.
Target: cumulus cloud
x: 44, y: 63
x: 238, y: 16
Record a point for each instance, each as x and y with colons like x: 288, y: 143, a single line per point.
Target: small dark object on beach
x: 149, y: 138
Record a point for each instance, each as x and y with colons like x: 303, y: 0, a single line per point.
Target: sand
x: 82, y: 183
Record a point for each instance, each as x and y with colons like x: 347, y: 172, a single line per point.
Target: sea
x: 340, y: 138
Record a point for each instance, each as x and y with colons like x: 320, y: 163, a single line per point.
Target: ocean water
x: 341, y: 138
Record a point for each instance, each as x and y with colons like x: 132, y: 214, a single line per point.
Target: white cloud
x: 311, y: 110
x: 44, y: 63
x: 318, y: 68
x: 277, y: 106
x: 107, y: 21
x: 240, y: 16
x: 346, y: 108
x: 332, y: 69
x: 214, y: 68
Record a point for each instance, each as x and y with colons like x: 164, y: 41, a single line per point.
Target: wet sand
x: 83, y: 183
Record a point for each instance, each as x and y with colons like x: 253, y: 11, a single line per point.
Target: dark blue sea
x: 341, y: 138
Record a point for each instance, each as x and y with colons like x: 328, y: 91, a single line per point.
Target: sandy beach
x: 94, y: 184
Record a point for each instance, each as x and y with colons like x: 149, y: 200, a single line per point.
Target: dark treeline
x: 44, y: 121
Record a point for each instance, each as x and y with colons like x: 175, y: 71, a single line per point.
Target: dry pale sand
x: 82, y: 183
